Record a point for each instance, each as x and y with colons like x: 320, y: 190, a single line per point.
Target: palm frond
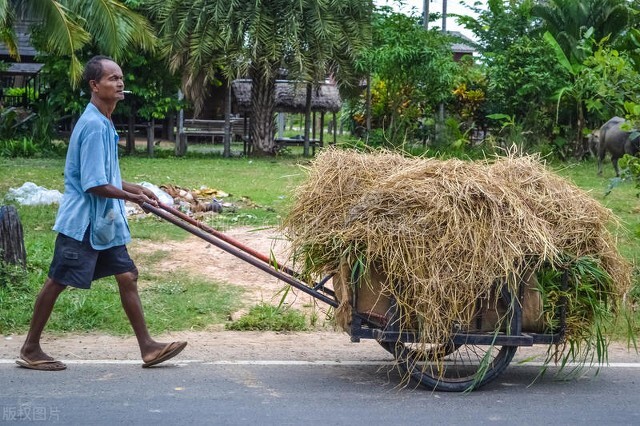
x: 65, y: 33
x: 240, y: 37
x: 114, y: 27
x: 7, y: 32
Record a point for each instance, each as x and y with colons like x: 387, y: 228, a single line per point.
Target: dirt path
x: 199, y: 257
x: 208, y: 346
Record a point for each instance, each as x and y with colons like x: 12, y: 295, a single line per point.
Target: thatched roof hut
x: 291, y: 96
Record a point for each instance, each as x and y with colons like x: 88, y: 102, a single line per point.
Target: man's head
x: 105, y: 81
x: 93, y: 69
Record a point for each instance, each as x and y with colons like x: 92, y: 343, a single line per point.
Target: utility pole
x: 444, y: 30
x: 444, y: 16
x: 425, y: 14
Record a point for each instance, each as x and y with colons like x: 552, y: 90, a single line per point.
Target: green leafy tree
x: 523, y: 80
x: 412, y: 71
x: 535, y: 48
x: 577, y: 88
x: 307, y: 39
x: 613, y: 81
x: 569, y: 21
x: 154, y: 94
x: 67, y: 26
x: 499, y: 24
x: 571, y: 27
x: 521, y: 70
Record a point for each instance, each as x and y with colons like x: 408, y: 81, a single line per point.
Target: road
x: 290, y: 392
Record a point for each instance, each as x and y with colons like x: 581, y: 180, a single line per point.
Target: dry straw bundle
x: 443, y: 233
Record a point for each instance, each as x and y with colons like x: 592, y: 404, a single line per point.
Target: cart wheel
x: 449, y: 367
x: 454, y: 367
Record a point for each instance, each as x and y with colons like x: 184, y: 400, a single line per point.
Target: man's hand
x: 140, y: 194
x: 150, y: 194
x: 129, y: 192
x: 142, y: 198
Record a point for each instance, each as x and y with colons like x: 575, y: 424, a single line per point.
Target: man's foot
x: 41, y: 364
x: 167, y: 352
x: 34, y: 358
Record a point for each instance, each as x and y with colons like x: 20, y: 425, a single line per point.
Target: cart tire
x: 451, y: 367
x: 466, y: 368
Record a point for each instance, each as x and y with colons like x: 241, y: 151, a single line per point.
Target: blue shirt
x: 92, y: 160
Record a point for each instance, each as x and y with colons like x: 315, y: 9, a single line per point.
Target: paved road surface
x: 289, y: 392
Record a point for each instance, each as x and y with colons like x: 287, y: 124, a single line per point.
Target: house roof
x: 463, y: 44
x: 291, y: 96
x: 23, y: 68
x: 23, y: 36
x: 26, y: 50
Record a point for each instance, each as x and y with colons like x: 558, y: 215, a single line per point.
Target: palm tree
x: 69, y: 25
x: 569, y: 20
x: 306, y: 40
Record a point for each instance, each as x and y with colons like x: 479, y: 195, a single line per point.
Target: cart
x: 471, y: 358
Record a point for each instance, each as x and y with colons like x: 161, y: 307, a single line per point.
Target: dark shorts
x: 75, y: 263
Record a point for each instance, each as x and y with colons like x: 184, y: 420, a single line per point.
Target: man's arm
x: 130, y: 192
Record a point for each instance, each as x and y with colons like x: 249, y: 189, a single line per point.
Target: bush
x: 272, y: 318
x: 12, y: 148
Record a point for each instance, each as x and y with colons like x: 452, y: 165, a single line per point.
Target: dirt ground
x: 194, y: 254
x: 200, y: 257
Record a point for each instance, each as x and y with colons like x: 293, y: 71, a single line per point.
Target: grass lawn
x: 262, y: 189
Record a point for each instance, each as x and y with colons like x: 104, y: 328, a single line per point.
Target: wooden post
x: 181, y: 138
x: 151, y: 132
x: 307, y: 121
x: 321, y: 131
x: 131, y: 133
x: 170, y: 123
x: 11, y: 237
x: 226, y: 151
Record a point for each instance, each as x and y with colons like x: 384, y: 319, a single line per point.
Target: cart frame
x: 390, y: 336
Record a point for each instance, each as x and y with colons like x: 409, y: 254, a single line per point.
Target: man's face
x: 110, y: 86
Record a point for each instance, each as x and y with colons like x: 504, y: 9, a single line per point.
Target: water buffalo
x: 617, y: 142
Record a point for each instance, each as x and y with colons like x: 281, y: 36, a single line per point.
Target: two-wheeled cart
x: 469, y: 359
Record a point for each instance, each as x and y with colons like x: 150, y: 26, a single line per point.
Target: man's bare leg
x: 42, y: 309
x: 128, y: 286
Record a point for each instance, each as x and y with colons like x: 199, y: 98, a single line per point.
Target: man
x: 91, y: 222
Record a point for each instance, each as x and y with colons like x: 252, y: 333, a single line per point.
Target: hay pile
x: 444, y: 232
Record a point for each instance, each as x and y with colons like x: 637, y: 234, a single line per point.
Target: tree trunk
x: 11, y: 238
x: 368, y: 110
x: 581, y: 142
x: 262, y: 105
x: 181, y: 146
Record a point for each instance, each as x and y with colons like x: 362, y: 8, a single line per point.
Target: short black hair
x: 93, y: 68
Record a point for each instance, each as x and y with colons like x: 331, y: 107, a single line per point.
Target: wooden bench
x: 284, y: 142
x: 205, y: 128
x: 213, y: 129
